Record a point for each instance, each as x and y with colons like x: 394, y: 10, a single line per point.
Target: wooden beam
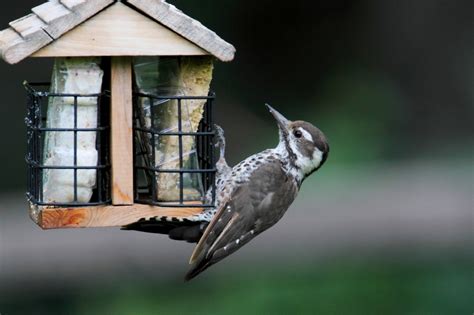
x: 24, y: 37
x: 57, y: 17
x: 120, y: 31
x: 47, y: 23
x: 189, y: 28
x: 105, y: 216
x: 121, y: 131
x: 29, y: 25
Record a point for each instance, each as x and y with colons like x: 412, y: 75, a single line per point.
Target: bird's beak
x: 283, y: 123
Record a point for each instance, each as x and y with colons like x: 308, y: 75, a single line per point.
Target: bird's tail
x: 193, y: 218
x: 181, y: 230
x: 197, y: 269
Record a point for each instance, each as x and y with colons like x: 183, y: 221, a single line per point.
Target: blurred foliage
x: 358, y: 113
x: 344, y: 287
x: 385, y: 80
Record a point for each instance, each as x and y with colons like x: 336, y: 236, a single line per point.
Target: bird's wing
x: 223, y: 217
x: 250, y: 209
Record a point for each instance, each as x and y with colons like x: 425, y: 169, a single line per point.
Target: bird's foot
x: 222, y: 166
x: 220, y: 143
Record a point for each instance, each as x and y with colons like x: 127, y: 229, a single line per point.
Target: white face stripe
x: 306, y: 134
x: 305, y: 164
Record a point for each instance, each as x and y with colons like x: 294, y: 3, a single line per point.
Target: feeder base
x: 102, y: 216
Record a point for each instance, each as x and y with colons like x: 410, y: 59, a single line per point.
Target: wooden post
x: 121, y: 131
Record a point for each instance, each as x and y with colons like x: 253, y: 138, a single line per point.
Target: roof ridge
x: 52, y: 19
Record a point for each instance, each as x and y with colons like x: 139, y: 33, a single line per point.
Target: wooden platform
x: 102, y: 216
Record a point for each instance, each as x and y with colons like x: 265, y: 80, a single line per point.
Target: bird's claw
x: 220, y: 143
x: 220, y: 136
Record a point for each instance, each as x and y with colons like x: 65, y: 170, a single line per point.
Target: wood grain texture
x: 60, y: 19
x: 121, y: 131
x: 28, y: 25
x: 123, y: 35
x: 57, y: 17
x: 47, y: 22
x: 120, y: 31
x: 186, y: 26
x: 105, y: 216
x: 24, y: 37
x: 51, y: 11
x: 72, y: 4
x: 19, y: 48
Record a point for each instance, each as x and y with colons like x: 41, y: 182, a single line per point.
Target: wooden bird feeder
x: 124, y: 129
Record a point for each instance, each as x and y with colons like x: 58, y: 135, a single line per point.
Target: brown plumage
x: 262, y: 188
x: 253, y: 207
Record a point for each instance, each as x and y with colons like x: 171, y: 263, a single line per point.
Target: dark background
x: 384, y: 227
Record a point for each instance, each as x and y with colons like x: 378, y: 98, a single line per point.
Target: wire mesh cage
x: 174, y: 151
x: 67, y: 147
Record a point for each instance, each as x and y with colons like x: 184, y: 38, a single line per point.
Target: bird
x: 259, y: 190
x: 251, y: 197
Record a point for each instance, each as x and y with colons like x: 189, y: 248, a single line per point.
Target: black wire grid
x: 37, y: 101
x: 146, y: 171
x: 145, y: 174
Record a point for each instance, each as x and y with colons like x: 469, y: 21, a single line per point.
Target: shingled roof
x: 49, y: 21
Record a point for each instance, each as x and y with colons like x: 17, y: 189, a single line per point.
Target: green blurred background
x: 385, y: 227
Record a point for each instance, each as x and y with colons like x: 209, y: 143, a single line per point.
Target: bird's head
x: 306, y: 145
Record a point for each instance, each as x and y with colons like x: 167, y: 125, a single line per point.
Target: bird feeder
x: 124, y: 129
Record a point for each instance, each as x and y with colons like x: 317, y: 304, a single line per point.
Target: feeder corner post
x: 121, y: 135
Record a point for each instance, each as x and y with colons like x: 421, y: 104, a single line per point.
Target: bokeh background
x: 385, y: 227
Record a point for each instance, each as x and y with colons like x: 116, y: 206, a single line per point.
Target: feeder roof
x: 57, y: 24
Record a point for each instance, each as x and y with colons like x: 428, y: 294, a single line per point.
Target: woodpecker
x: 260, y: 190
x: 253, y: 195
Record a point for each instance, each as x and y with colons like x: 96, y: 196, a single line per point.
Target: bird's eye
x: 297, y: 133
